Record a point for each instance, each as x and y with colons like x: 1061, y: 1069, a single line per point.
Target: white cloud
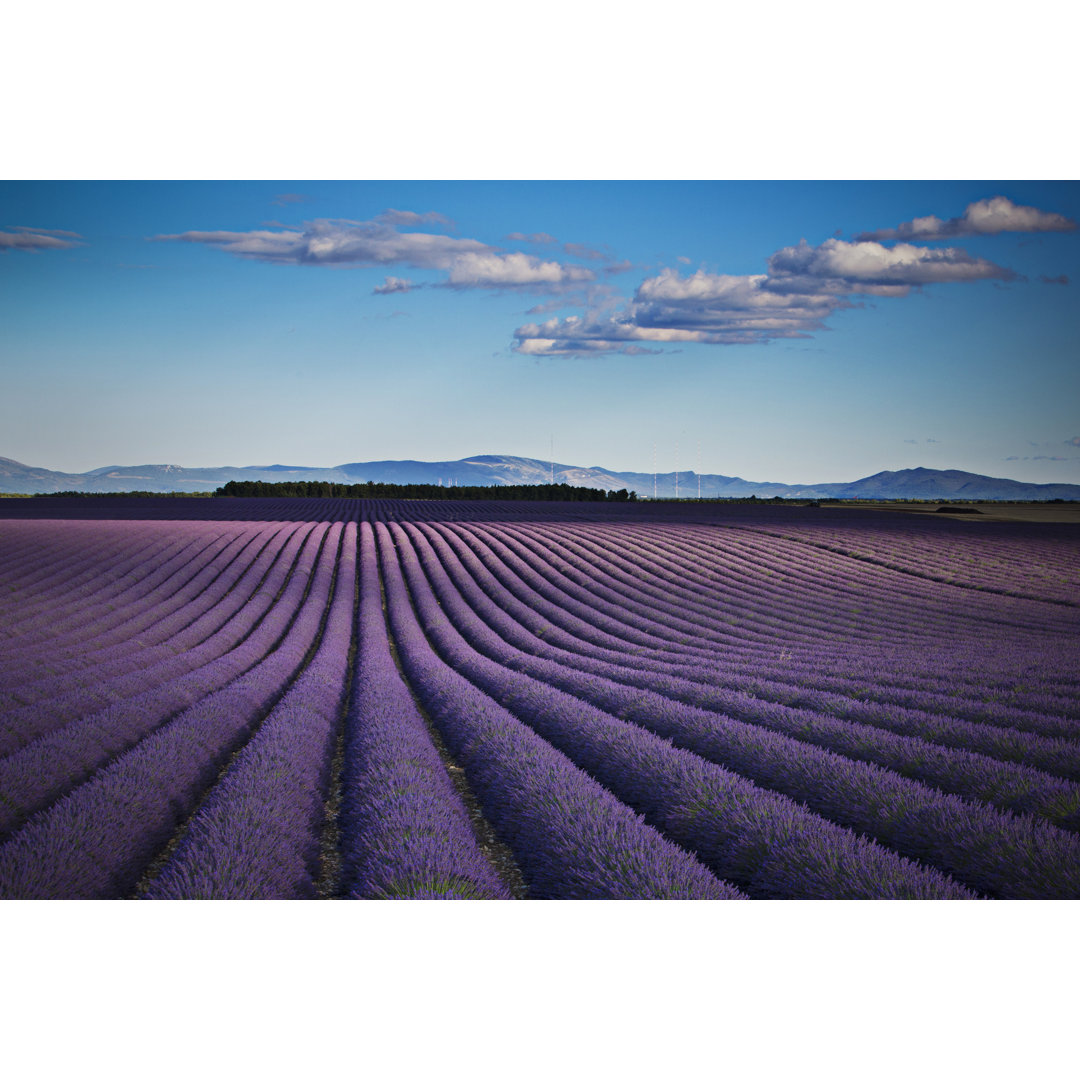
x: 469, y: 264
x: 853, y: 266
x: 722, y: 304
x: 24, y: 238
x: 805, y: 285
x: 721, y: 291
x: 491, y: 270
x: 394, y: 285
x: 617, y: 333
x: 987, y: 217
x: 333, y: 241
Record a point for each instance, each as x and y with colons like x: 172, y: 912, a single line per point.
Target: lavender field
x: 290, y: 698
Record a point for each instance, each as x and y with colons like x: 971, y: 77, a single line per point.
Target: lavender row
x: 102, y: 545
x: 655, y: 603
x: 603, y: 626
x: 556, y: 577
x: 916, y: 565
x: 1050, y: 753
x: 706, y: 585
x: 953, y: 549
x: 44, y: 769
x: 884, y: 589
x: 162, y: 580
x: 46, y: 616
x: 97, y: 626
x: 775, y: 576
x: 151, y: 634
x: 91, y: 622
x: 37, y: 552
x: 137, y: 627
x: 571, y: 838
x: 522, y: 578
x: 1051, y: 649
x: 623, y: 605
x: 97, y: 840
x: 256, y: 836
x: 986, y: 559
x: 177, y: 680
x: 707, y: 593
x: 99, y: 582
x: 906, y: 745
x: 994, y: 852
x: 763, y: 842
x: 405, y: 833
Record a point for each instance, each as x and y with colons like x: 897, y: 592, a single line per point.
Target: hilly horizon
x: 504, y: 469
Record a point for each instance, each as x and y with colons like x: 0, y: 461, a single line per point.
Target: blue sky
x: 778, y: 331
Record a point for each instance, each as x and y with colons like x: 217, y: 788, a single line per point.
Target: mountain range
x: 499, y: 469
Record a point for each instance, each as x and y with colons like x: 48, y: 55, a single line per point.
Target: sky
x: 787, y: 331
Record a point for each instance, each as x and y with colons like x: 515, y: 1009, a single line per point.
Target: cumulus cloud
x: 24, y: 238
x: 988, y: 217
x: 715, y: 309
x: 804, y: 286
x: 393, y: 285
x: 289, y: 198
x: 532, y: 238
x: 865, y: 266
x: 620, y: 331
x: 726, y: 304
x: 468, y: 264
x: 338, y: 241
x: 491, y: 270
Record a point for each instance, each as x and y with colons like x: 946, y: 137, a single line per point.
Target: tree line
x: 372, y: 489
x: 121, y: 494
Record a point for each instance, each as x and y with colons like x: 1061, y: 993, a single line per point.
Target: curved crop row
x: 405, y: 833
x: 256, y: 835
x: 762, y: 841
x: 142, y: 626
x: 50, y: 765
x: 572, y: 838
x: 98, y: 839
x: 995, y: 853
x: 905, y: 744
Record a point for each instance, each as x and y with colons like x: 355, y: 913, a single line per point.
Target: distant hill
x: 495, y: 469
x: 944, y: 484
